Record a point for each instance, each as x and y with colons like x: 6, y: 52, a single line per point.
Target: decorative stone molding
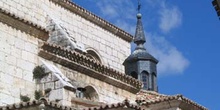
x: 90, y: 67
x: 85, y: 103
x: 24, y: 25
x: 56, y: 77
x: 60, y: 35
x: 94, y: 19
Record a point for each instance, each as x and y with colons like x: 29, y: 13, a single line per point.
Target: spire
x: 141, y: 64
x: 139, y: 37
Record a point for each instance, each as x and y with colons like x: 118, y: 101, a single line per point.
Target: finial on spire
x: 139, y: 8
x: 139, y: 37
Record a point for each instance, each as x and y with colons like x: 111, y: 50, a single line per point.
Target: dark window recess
x: 134, y: 75
x: 91, y: 94
x: 80, y: 92
x: 145, y: 79
x: 153, y: 79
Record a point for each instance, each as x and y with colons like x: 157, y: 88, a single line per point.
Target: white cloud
x: 116, y: 12
x: 125, y: 26
x: 171, y: 60
x: 170, y: 17
x: 122, y: 14
x: 108, y: 9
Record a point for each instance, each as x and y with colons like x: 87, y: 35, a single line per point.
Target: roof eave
x: 23, y: 25
x: 139, y: 58
x: 94, y: 19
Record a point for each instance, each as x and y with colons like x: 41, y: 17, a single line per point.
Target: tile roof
x: 150, y: 97
x: 124, y: 104
x: 22, y: 24
x: 45, y: 103
x: 140, y: 54
x: 68, y: 4
x: 34, y: 103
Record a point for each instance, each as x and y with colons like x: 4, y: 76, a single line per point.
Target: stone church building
x: 56, y: 55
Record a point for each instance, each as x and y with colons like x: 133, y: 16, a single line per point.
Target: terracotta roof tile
x: 150, y: 97
x: 35, y: 103
x: 125, y: 104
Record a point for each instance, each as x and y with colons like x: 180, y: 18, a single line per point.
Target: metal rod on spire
x: 139, y: 6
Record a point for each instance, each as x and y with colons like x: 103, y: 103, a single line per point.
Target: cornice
x: 68, y: 4
x: 22, y: 24
x: 90, y: 67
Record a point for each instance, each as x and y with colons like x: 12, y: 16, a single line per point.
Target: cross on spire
x: 139, y: 5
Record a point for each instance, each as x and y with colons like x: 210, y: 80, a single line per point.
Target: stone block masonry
x: 106, y: 92
x: 112, y: 49
x: 18, y: 57
x: 19, y: 50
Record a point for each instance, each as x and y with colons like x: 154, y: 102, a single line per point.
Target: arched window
x: 93, y: 55
x: 91, y: 94
x: 145, y: 79
x: 134, y: 75
x: 153, y: 77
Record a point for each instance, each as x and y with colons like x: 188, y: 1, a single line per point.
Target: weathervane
x: 139, y: 6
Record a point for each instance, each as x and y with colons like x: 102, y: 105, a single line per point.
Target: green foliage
x: 24, y: 98
x: 38, y: 95
x: 47, y: 90
x: 39, y: 72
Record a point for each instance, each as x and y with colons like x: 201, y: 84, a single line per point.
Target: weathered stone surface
x: 6, y: 78
x: 28, y: 76
x: 77, y: 25
x: 18, y: 51
x: 5, y: 99
x: 58, y: 85
x: 49, y: 85
x: 56, y: 94
x: 16, y: 72
x: 11, y: 60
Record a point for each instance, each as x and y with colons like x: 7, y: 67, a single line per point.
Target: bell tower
x: 140, y: 64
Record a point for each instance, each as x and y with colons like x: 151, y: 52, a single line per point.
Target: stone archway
x: 91, y: 93
x: 93, y: 54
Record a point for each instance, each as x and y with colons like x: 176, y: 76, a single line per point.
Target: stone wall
x: 18, y: 57
x: 18, y: 50
x: 112, y: 49
x: 106, y: 92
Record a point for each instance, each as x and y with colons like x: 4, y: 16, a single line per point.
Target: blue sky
x: 183, y: 35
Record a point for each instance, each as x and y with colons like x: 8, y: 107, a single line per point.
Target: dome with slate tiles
x: 140, y: 54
